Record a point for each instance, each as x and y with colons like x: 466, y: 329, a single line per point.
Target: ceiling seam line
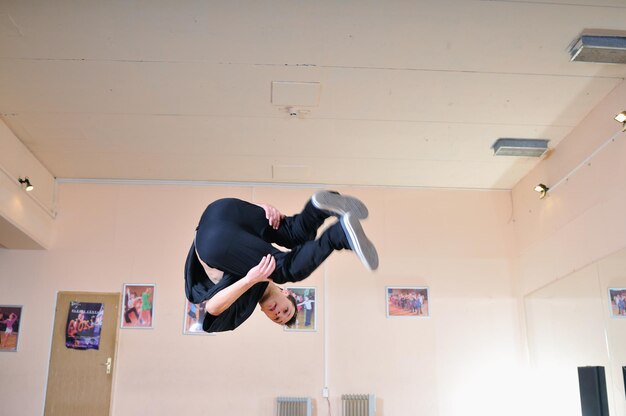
x: 364, y: 68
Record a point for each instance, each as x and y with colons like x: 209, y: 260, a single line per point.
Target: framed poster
x: 194, y: 316
x: 10, y: 318
x: 306, y: 308
x: 617, y: 301
x: 138, y: 310
x: 409, y: 302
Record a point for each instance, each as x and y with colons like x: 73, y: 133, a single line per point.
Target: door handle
x: 108, y: 365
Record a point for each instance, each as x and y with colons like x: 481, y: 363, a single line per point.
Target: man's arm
x: 223, y: 299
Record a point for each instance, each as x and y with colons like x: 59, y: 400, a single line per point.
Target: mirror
x: 574, y: 322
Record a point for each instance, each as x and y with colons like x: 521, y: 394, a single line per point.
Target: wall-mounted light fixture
x: 26, y: 184
x: 542, y: 189
x: 621, y: 118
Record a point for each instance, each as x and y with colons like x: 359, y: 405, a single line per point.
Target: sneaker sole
x: 339, y: 204
x: 359, y: 243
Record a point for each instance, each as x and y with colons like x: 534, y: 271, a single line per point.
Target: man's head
x: 279, y: 305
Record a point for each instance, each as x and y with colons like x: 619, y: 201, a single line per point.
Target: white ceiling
x: 411, y: 93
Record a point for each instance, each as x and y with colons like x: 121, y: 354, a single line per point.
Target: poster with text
x: 84, y: 322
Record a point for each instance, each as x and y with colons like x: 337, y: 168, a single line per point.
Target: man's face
x: 278, y: 308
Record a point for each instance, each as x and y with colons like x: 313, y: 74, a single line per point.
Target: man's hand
x: 262, y: 271
x: 273, y: 215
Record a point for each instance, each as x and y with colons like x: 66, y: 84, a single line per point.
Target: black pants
x: 234, y: 235
x: 128, y: 312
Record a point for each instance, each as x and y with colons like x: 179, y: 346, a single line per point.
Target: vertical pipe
x: 326, y: 310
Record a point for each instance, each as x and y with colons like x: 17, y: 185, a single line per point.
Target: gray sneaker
x: 338, y: 204
x: 359, y: 243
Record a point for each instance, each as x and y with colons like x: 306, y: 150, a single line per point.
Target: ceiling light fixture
x: 26, y: 184
x: 621, y: 118
x: 542, y: 189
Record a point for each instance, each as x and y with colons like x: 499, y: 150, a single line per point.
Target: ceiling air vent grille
x: 605, y: 49
x: 520, y: 147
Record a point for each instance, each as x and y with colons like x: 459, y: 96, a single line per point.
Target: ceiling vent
x: 520, y: 147
x: 608, y: 47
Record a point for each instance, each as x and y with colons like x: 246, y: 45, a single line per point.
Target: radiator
x: 294, y: 406
x: 358, y: 405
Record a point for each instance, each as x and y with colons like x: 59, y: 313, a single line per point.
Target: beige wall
x: 26, y: 218
x: 562, y: 269
x: 458, y: 243
x: 582, y: 219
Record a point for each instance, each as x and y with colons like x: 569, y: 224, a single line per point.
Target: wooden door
x: 80, y: 381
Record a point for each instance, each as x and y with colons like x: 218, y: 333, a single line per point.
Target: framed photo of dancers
x: 194, y: 316
x: 407, y: 302
x: 617, y: 302
x: 138, y: 306
x: 306, y: 309
x: 10, y: 318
